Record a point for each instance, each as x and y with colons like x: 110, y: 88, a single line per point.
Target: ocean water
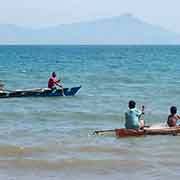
x: 52, y: 138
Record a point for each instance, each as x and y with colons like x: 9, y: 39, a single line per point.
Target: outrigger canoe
x: 39, y: 92
x: 147, y: 131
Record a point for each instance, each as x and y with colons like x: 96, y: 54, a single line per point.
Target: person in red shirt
x: 53, y: 82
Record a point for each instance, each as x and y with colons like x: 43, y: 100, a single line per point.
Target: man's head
x: 132, y: 104
x: 173, y: 110
x: 54, y: 74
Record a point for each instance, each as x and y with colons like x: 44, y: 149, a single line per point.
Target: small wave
x: 22, y: 151
x: 16, y: 151
x: 110, y: 150
x: 23, y: 71
x: 73, y: 163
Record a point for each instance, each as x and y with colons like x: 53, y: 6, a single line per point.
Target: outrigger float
x: 146, y: 131
x: 39, y: 92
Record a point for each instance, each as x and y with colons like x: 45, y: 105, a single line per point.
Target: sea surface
x: 52, y: 138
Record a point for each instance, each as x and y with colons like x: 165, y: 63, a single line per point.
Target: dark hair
x: 53, y: 74
x: 132, y: 104
x: 173, y: 110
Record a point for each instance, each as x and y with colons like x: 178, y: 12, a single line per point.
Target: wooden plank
x: 162, y: 131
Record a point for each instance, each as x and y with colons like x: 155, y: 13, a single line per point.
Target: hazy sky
x: 37, y: 13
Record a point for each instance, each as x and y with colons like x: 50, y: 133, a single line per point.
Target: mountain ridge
x: 124, y: 29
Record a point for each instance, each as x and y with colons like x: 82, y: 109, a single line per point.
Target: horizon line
x: 156, y: 44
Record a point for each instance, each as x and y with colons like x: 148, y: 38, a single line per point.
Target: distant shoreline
x: 128, y: 45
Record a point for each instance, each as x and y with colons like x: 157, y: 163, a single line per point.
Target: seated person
x: 1, y: 85
x: 132, y: 117
x: 53, y: 82
x: 173, y: 117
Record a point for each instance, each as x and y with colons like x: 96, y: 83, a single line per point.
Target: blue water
x: 53, y: 136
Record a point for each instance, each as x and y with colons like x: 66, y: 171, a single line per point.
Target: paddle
x: 103, y: 131
x: 142, y: 116
x: 146, y: 126
x: 59, y: 85
x: 61, y: 89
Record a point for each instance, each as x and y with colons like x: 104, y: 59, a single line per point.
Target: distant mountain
x: 125, y: 29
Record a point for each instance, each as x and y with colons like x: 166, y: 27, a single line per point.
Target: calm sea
x: 51, y: 138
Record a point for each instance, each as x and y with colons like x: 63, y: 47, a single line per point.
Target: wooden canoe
x: 147, y: 131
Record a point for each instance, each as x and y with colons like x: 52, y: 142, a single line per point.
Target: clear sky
x: 38, y: 13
